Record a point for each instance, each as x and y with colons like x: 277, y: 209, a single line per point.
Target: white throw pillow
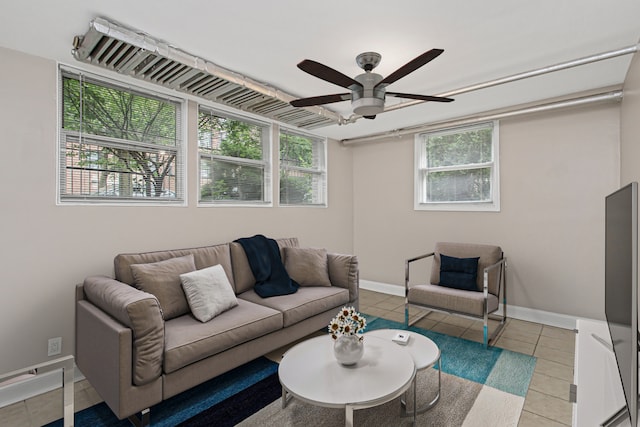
x: 208, y: 292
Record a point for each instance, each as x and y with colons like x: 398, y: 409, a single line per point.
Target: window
x: 234, y: 158
x: 118, y: 144
x: 457, y: 169
x: 303, y: 176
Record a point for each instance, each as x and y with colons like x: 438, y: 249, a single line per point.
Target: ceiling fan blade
x: 328, y: 74
x: 420, y: 97
x: 411, y: 66
x: 318, y: 100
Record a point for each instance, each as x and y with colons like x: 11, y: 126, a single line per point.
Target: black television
x: 621, y: 288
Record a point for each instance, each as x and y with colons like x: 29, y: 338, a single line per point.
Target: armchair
x: 456, y: 287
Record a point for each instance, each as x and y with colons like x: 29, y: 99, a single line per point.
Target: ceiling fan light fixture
x: 368, y: 106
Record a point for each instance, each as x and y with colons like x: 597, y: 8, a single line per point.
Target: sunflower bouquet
x: 347, y: 322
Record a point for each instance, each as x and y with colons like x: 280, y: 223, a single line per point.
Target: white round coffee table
x: 425, y: 354
x: 310, y: 372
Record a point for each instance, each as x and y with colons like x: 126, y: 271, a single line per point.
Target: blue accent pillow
x: 459, y: 273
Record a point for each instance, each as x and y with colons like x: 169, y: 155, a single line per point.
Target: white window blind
x: 303, y: 172
x: 234, y: 158
x: 118, y: 144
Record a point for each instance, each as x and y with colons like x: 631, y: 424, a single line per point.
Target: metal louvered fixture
x: 116, y: 48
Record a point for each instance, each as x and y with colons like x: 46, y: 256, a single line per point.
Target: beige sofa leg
x: 141, y: 419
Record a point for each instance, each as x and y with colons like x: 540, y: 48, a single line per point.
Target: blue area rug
x: 496, y: 367
x: 186, y: 405
x: 232, y: 397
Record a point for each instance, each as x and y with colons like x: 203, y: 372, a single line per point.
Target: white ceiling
x: 483, y: 40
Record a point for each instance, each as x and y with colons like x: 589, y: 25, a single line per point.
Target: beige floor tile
x: 548, y: 406
x: 515, y: 345
x: 523, y: 326
x: 448, y: 329
x: 16, y: 415
x: 554, y: 355
x: 519, y: 335
x: 528, y: 419
x: 554, y: 369
x: 365, y: 294
x: 550, y: 385
x: 437, y: 316
x: 559, y: 333
x: 389, y: 305
x: 400, y: 309
x: 562, y: 344
x: 374, y: 311
x: 425, y: 323
x: 473, y: 335
x: 463, y: 322
x: 395, y: 316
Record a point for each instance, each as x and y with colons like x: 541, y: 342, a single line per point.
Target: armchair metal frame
x: 502, y: 293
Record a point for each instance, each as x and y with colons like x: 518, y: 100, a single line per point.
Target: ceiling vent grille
x: 126, y: 51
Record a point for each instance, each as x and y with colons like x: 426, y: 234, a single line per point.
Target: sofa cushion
x: 455, y: 300
x: 139, y: 311
x: 305, y: 303
x: 243, y: 278
x: 162, y: 279
x: 343, y: 272
x: 205, y: 256
x: 208, y: 292
x: 307, y: 266
x: 187, y: 340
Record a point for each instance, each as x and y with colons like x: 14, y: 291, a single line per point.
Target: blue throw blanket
x: 266, y: 265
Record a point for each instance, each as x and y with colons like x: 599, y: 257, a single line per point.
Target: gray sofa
x: 135, y: 356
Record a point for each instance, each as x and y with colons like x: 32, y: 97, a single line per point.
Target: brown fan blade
x: 318, y: 100
x: 328, y: 74
x: 411, y: 66
x: 420, y: 97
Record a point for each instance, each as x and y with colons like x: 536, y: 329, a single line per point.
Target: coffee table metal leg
x: 285, y: 397
x: 348, y: 416
x: 431, y: 404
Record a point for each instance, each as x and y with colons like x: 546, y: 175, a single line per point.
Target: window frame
x: 319, y: 146
x: 63, y: 135
x: 265, y: 162
x: 421, y: 171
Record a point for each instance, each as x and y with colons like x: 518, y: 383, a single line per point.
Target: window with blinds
x: 457, y: 169
x: 234, y: 159
x: 118, y: 144
x: 303, y: 172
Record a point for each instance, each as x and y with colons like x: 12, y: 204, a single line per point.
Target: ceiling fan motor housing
x: 368, y: 100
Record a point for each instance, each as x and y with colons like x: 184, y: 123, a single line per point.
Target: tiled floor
x: 546, y: 403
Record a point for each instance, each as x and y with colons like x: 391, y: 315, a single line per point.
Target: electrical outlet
x: 55, y: 346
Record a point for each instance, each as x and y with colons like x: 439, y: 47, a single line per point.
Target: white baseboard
x: 515, y: 312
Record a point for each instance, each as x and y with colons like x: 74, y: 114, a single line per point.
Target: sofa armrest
x: 104, y: 355
x: 139, y: 311
x: 343, y: 272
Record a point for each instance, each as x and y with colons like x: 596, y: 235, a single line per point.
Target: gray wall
x: 47, y: 249
x: 555, y: 169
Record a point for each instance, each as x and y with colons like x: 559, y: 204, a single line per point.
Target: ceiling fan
x: 368, y: 90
